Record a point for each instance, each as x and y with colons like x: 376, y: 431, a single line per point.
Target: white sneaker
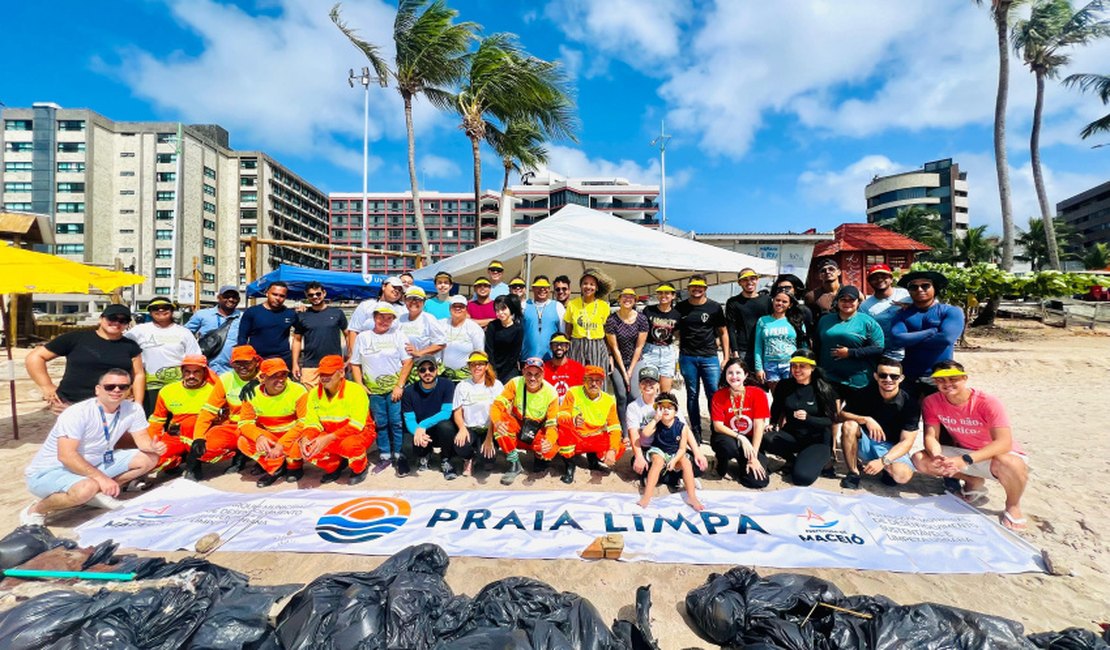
x: 28, y: 518
x: 104, y: 502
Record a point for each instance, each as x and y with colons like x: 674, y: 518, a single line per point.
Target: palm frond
x: 1101, y: 125
x: 371, y: 51
x: 1096, y: 83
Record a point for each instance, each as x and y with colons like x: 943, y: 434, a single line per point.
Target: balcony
x: 644, y: 205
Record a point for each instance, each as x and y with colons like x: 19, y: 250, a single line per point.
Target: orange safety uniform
x: 347, y: 416
x: 280, y: 418
x: 174, y: 419
x: 600, y: 430
x: 509, y: 409
x: 218, y: 422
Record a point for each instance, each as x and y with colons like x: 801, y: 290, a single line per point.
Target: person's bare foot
x: 468, y: 467
x: 695, y: 504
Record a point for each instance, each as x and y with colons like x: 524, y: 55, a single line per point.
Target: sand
x: 1055, y: 384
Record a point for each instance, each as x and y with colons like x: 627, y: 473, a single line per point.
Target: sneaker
x: 28, y: 518
x: 382, y: 465
x: 268, y: 479
x: 829, y: 471
x: 358, y: 478
x: 402, y: 466
x: 294, y: 475
x: 104, y: 502
x: 448, y: 470
x: 195, y: 471
x: 332, y: 477
x: 422, y: 464
x: 850, y: 482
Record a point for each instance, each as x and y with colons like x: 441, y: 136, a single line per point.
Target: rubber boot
x: 510, y: 474
x: 269, y: 479
x: 194, y: 470
x: 568, y: 470
x: 332, y: 477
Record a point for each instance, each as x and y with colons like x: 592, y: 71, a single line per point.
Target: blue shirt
x: 209, y: 319
x: 883, y: 311
x: 539, y: 326
x: 437, y: 308
x: 268, y: 332
x: 929, y: 335
x: 499, y: 289
x: 775, y: 342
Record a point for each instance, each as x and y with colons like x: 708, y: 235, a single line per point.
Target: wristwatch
x: 886, y: 461
x: 968, y: 459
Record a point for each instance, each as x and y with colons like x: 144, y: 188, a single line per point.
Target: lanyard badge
x: 109, y: 456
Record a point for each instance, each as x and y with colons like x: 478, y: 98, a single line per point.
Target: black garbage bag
x: 638, y: 635
x: 241, y: 620
x: 26, y: 542
x: 102, y: 553
x: 1073, y: 638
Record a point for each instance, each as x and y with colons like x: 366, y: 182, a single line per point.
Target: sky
x: 779, y: 112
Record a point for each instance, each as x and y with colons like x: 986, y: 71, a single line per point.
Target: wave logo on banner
x: 363, y: 520
x: 814, y: 520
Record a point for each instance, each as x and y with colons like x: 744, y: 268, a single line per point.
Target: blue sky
x: 780, y: 112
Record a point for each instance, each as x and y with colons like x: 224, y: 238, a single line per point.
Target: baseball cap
x: 594, y: 371
x: 195, y: 360
x: 533, y: 362
x: 457, y: 300
x: 481, y: 281
x: 496, y: 265
x: 272, y: 366
x: 848, y: 291
x: 879, y: 268
x: 415, y: 292
x: 227, y: 288
x: 243, y: 353
x: 115, y: 310
x: 427, y: 358
x: 647, y: 372
x: 385, y: 308
x: 394, y: 281
x: 828, y: 261
x: 330, y: 364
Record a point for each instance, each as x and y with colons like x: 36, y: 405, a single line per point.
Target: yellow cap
x: 747, y: 273
x: 477, y: 357
x: 628, y: 292
x: 948, y: 372
x: 805, y: 360
x: 560, y: 338
x: 664, y: 287
x: 517, y: 282
x: 541, y: 283
x: 697, y: 283
x: 481, y: 281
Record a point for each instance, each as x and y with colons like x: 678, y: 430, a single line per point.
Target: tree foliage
x: 1035, y: 243
x: 1098, y: 84
x: 1096, y: 257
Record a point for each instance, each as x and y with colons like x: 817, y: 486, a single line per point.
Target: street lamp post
x: 661, y: 142
x: 364, y: 78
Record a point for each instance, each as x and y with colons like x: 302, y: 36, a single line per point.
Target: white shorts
x: 982, y: 469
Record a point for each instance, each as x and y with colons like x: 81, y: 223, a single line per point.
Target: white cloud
x: 277, y: 82
x: 844, y: 188
x: 438, y: 167
x: 575, y: 163
x: 653, y: 28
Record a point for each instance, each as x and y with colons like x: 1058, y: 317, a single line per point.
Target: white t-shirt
x: 163, y: 347
x: 423, y: 331
x: 461, y: 341
x: 380, y: 355
x: 475, y: 401
x: 638, y: 414
x: 82, y: 422
x: 883, y: 311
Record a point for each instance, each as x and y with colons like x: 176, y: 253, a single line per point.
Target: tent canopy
x: 339, y: 285
x: 576, y: 238
x: 24, y: 271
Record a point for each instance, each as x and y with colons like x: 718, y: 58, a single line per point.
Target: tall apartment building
x: 1089, y: 213
x: 129, y: 191
x: 939, y: 186
x: 541, y: 195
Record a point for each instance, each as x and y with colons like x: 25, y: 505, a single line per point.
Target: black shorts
x: 845, y: 392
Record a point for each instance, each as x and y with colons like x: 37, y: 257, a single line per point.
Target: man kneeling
x: 176, y: 413
x: 524, y: 414
x: 337, y: 426
x: 78, y: 463
x: 588, y: 424
x: 871, y: 416
x: 271, y: 423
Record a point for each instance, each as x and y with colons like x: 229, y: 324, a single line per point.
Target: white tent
x: 576, y: 238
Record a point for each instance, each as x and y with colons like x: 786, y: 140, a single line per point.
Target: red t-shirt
x: 969, y: 423
x: 481, y: 312
x: 737, y: 414
x: 564, y: 377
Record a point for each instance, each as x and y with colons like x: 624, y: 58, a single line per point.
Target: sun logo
x: 363, y: 520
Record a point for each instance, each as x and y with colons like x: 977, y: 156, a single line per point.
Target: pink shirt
x: 969, y: 423
x: 481, y: 312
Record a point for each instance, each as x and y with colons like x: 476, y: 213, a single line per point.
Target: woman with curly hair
x: 586, y: 316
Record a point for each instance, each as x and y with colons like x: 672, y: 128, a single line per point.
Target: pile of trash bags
x: 788, y: 611
x: 404, y: 603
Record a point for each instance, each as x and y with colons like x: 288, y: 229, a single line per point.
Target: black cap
x: 848, y: 291
x: 115, y: 310
x: 828, y: 261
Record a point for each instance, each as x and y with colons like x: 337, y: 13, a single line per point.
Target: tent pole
x: 4, y: 314
x: 528, y: 269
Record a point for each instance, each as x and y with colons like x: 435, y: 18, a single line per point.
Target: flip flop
x: 1008, y: 521
x: 975, y: 498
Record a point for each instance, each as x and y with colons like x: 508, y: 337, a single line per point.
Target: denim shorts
x: 777, y: 373
x: 870, y: 450
x: 660, y: 357
x: 59, y: 479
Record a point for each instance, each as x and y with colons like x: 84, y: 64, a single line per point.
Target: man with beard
x: 524, y: 415
x: 216, y: 433
x: 822, y: 299
x: 176, y: 411
x: 742, y: 312
x: 271, y: 423
x: 561, y: 371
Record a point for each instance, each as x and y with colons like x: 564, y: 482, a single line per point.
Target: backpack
x: 212, y: 343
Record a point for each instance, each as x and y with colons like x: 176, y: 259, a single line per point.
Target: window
x: 18, y: 146
x: 164, y: 272
x: 127, y: 154
x: 166, y: 177
x: 71, y: 125
x: 165, y: 195
x: 874, y: 259
x: 24, y: 207
x: 163, y: 253
x: 209, y: 277
x: 69, y: 249
x: 248, y: 197
x: 127, y: 212
x: 248, y: 163
x: 209, y: 242
x: 71, y: 207
x: 76, y: 167
x: 161, y: 291
x: 209, y: 260
x: 127, y: 249
x: 163, y: 235
x: 248, y: 214
x: 17, y: 125
x: 339, y: 206
x: 17, y: 187
x: 338, y: 234
x: 166, y: 158
x: 71, y: 187
x: 70, y: 228
x: 127, y: 192
x: 163, y: 214
x: 17, y: 167
x: 209, y: 190
x: 209, y: 224
x: 248, y: 230
x: 210, y: 173
x: 210, y: 207
x: 126, y: 174
x: 248, y: 181
x: 167, y: 138
x: 127, y: 231
x: 71, y: 147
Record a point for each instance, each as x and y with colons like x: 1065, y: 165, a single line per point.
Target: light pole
x: 661, y: 142
x: 364, y: 78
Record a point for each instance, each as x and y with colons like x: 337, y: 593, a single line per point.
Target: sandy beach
x: 1055, y: 384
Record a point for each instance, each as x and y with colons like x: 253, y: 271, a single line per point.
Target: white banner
x: 793, y: 528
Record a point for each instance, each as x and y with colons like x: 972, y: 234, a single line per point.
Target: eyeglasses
x: 315, y: 294
x: 426, y: 369
x: 562, y: 289
x: 118, y: 320
x: 920, y: 286
x: 114, y: 387
x: 887, y: 375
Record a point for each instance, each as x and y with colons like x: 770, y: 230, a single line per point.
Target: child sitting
x: 668, y: 450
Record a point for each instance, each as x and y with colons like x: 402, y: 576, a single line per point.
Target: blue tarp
x: 340, y: 285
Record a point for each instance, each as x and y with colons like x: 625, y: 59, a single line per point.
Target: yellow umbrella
x: 24, y: 271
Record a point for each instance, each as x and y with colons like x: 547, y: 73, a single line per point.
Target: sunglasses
x: 424, y: 369
x: 118, y: 320
x: 887, y: 375
x: 920, y: 286
x: 495, y: 270
x: 562, y: 289
x: 315, y: 294
x: 458, y: 307
x: 114, y: 387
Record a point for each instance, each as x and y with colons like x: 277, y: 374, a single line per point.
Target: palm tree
x: 975, y: 247
x: 1097, y: 257
x: 1051, y: 28
x: 1000, y: 13
x: 502, y: 82
x: 1036, y: 244
x: 1100, y: 85
x: 430, y: 59
x: 917, y: 223
x: 520, y: 146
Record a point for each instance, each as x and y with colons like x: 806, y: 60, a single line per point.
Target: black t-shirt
x: 741, y: 314
x: 88, y: 356
x: 661, y: 325
x: 903, y: 413
x: 423, y: 404
x: 804, y: 398
x: 697, y: 328
x: 321, y: 332
x: 503, y: 346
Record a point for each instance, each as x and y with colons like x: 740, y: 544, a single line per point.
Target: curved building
x: 939, y: 186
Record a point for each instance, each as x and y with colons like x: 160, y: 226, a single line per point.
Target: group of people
x: 271, y: 388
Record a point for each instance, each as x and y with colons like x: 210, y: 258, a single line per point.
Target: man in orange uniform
x: 216, y: 434
x: 338, y: 429
x: 176, y: 411
x: 271, y: 423
x: 524, y: 416
x: 588, y: 423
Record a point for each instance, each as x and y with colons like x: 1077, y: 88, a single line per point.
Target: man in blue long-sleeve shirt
x: 426, y: 409
x: 212, y: 318
x: 266, y: 326
x: 928, y: 329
